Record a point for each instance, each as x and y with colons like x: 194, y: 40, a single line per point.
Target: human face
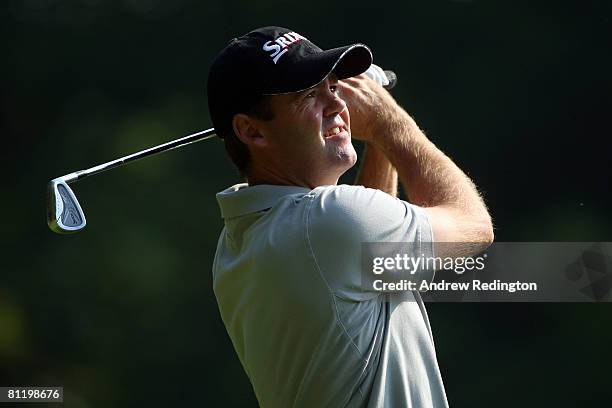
x: 308, y: 141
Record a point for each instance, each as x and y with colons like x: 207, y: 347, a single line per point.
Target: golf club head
x: 64, y: 213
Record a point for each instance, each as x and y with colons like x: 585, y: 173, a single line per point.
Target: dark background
x: 123, y: 314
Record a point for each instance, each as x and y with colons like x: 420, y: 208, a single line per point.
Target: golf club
x: 64, y: 213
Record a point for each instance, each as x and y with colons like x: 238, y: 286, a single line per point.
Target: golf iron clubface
x: 64, y: 213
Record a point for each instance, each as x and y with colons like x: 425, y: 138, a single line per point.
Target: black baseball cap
x: 271, y: 61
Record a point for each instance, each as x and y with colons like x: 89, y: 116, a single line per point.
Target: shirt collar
x: 242, y: 199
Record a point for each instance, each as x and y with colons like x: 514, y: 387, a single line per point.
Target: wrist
x: 394, y: 127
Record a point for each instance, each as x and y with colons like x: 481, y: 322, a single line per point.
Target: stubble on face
x: 331, y: 123
x: 310, y: 134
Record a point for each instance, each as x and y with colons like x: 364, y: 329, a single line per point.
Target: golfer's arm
x: 455, y: 209
x: 377, y: 172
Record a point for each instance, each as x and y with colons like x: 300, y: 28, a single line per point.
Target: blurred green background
x: 123, y: 314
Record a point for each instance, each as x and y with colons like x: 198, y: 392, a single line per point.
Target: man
x: 287, y: 273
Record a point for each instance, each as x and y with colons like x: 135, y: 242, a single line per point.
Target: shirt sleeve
x: 348, y: 226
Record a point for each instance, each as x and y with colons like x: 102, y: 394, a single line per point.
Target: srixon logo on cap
x: 280, y: 46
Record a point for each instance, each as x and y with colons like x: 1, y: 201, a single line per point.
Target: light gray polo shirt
x: 287, y: 277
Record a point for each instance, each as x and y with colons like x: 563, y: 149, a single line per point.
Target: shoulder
x: 358, y: 212
x: 340, y: 220
x: 356, y: 202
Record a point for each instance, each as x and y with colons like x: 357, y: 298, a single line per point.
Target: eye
x: 333, y: 88
x: 311, y: 94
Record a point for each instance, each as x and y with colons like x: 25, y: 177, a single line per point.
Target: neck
x: 262, y: 175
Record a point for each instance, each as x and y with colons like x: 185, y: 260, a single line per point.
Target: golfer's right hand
x: 371, y: 108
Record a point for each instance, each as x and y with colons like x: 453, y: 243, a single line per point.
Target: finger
x: 347, y: 88
x: 353, y: 80
x: 356, y: 82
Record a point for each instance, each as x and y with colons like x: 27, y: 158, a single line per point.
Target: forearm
x: 377, y: 172
x: 456, y: 212
x: 429, y: 176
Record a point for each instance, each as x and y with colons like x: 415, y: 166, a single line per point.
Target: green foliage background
x: 123, y: 314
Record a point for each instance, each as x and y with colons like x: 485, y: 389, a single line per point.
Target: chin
x: 344, y: 157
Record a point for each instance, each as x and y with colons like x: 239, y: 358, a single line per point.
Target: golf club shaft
x: 183, y: 141
x: 196, y: 137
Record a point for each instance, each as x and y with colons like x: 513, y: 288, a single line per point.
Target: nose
x: 334, y: 105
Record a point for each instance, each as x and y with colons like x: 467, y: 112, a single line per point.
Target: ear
x: 245, y: 127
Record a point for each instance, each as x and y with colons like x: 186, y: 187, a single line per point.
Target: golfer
x: 287, y: 273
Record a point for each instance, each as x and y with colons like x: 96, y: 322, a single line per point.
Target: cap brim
x: 345, y: 62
